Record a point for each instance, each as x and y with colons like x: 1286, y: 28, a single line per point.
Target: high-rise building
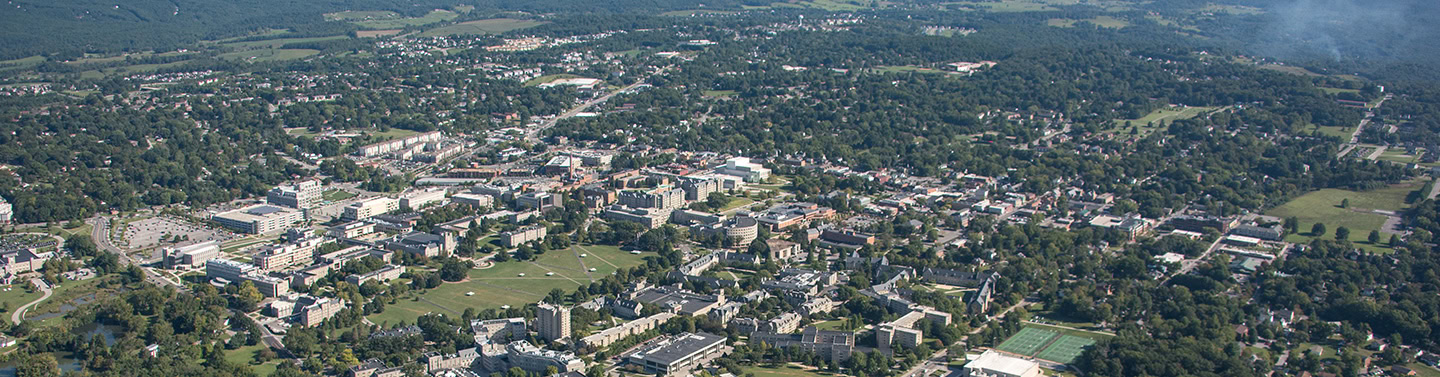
x: 553, y: 321
x: 368, y: 208
x: 301, y: 195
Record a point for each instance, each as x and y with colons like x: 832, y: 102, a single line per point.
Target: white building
x: 259, y: 218
x: 421, y: 199
x: 7, y: 212
x: 994, y: 364
x: 743, y: 168
x: 368, y: 208
x: 301, y: 195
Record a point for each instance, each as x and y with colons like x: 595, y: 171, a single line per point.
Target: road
x: 533, y: 134
x: 936, y: 362
x: 20, y: 313
x: 1355, y: 135
x: 1190, y: 264
x: 99, y: 230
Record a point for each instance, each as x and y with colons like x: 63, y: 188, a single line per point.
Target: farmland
x: 481, y: 27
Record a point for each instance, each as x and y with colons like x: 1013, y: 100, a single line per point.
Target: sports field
x: 503, y: 284
x: 1046, y: 345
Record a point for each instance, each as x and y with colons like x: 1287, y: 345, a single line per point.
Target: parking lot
x: 162, y: 230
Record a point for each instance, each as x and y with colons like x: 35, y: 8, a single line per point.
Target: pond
x: 68, y: 362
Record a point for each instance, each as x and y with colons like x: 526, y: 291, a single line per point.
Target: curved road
x: 20, y: 313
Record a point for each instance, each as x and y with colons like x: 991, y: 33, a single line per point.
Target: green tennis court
x: 1028, y: 341
x: 1065, y: 349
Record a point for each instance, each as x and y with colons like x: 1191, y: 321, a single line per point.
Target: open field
x: 486, y: 26
x: 336, y: 195
x: 393, y: 133
x: 1344, y: 133
x: 361, y: 15
x: 719, y: 93
x: 1323, y: 206
x: 1290, y: 69
x: 906, y: 68
x: 1169, y: 114
x: 69, y: 294
x: 16, y: 296
x: 1102, y: 21
x: 785, y: 371
x: 269, y: 55
x: 376, y: 33
x: 278, y: 42
x: 1232, y: 9
x: 503, y: 284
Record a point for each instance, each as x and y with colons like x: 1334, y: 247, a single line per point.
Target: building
x: 1198, y: 224
x: 782, y: 250
x: 786, y: 215
x: 611, y: 335
x: 384, y: 274
x: 742, y: 230
x: 7, y: 211
x: 742, y: 167
x: 1272, y: 233
x: 782, y: 324
x: 552, y: 321
x: 649, y: 217
x: 462, y: 359
x: 498, y: 331
x: 1132, y: 225
x: 832, y: 345
x: 845, y: 239
x: 664, y: 197
x: 375, y: 368
x: 674, y: 299
x: 539, y: 200
x: 352, y: 229
x: 368, y: 208
x: 190, y: 256
x: 522, y: 236
x: 559, y: 165
x: 817, y: 305
x: 300, y: 195
x: 994, y: 364
x: 678, y: 355
x: 421, y: 199
x: 427, y: 244
x: 473, y: 200
x: 902, y: 330
x: 276, y: 257
x: 725, y: 313
x: 384, y: 147
x: 699, y: 189
x: 259, y: 218
x: 521, y: 354
x: 23, y: 260
x: 313, y: 310
x: 228, y: 270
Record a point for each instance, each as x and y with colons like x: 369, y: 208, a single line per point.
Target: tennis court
x: 1046, y: 345
x: 1065, y: 349
x: 1028, y: 341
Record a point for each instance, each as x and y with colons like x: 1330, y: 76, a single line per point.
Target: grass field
x: 1290, y: 69
x: 785, y: 371
x: 269, y: 55
x: 834, y: 324
x: 719, y: 93
x: 246, y: 356
x: 336, y: 195
x: 1102, y: 21
x: 393, y: 133
x: 1046, y: 344
x: 1150, y: 123
x: 69, y: 291
x: 376, y: 33
x: 906, y: 69
x: 503, y: 285
x: 1344, y: 133
x: 17, y: 296
x: 486, y: 26
x: 1323, y: 206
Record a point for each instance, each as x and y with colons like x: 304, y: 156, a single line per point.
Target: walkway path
x: 20, y: 313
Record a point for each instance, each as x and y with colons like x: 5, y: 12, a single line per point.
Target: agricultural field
x: 503, y: 284
x: 1102, y: 21
x: 395, y: 21
x: 480, y: 27
x: 269, y: 55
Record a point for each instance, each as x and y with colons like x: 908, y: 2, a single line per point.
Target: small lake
x: 68, y: 362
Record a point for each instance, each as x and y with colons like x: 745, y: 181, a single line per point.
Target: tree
x: 1345, y: 203
x: 39, y: 365
x: 1374, y: 237
x: 760, y: 247
x: 1317, y: 230
x: 1292, y: 224
x: 1394, y: 240
x: 1342, y: 233
x: 455, y: 270
x: 556, y: 296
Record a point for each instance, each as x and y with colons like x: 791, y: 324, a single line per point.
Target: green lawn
x: 1423, y: 370
x: 278, y: 42
x: 719, y: 93
x: 17, y: 296
x: 335, y: 195
x: 69, y: 291
x: 1344, y: 133
x: 246, y: 356
x: 737, y: 203
x: 1323, y: 206
x: 503, y: 285
x: 486, y: 26
x: 393, y: 133
x: 1064, y: 331
x: 834, y: 324
x: 785, y: 371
